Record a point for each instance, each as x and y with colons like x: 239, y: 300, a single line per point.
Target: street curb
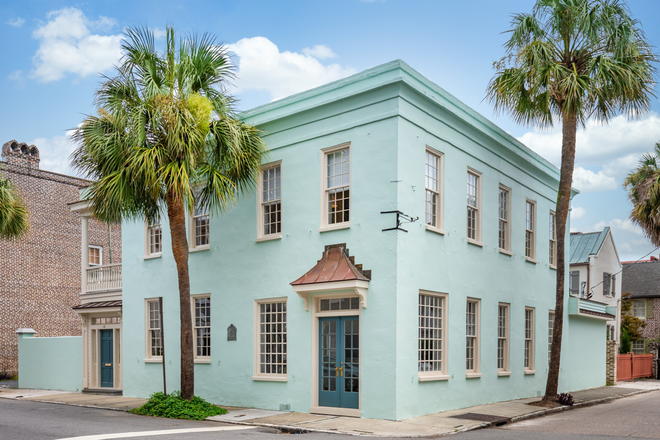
x: 543, y: 412
x: 63, y: 403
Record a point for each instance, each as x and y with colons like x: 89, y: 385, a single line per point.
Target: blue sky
x: 53, y: 52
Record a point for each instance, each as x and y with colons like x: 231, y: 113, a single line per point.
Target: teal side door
x: 339, y: 369
x: 106, y: 359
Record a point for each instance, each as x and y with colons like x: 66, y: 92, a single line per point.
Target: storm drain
x: 493, y: 420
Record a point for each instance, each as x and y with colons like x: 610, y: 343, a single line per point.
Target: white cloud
x: 68, y: 46
x: 159, y: 33
x: 588, y: 181
x: 617, y: 224
x: 16, y: 22
x: 577, y: 212
x: 16, y: 75
x: 54, y: 153
x: 262, y: 67
x: 320, y: 52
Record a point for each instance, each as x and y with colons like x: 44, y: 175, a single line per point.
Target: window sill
x: 200, y: 248
x: 473, y: 375
x: 504, y: 373
x: 531, y: 260
x: 436, y: 230
x: 273, y: 378
x: 475, y: 242
x: 530, y: 371
x: 432, y: 377
x: 505, y: 252
x: 202, y: 361
x: 268, y: 238
x: 553, y: 267
x: 152, y: 256
x: 153, y: 361
x: 343, y: 225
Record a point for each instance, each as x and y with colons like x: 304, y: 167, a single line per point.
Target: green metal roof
x: 583, y: 245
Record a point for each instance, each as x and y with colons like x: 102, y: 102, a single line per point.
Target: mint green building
x: 307, y: 296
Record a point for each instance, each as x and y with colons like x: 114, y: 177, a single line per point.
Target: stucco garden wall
x: 50, y: 363
x: 583, y: 359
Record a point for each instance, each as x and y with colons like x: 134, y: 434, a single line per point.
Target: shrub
x: 174, y: 407
x: 6, y: 376
x: 565, y: 399
x: 626, y: 344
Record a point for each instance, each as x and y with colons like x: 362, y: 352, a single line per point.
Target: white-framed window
x: 472, y: 331
x: 201, y: 308
x: 271, y: 339
x: 638, y: 347
x: 336, y: 175
x: 432, y: 337
x: 607, y: 284
x: 473, y: 205
x: 95, y: 255
x: 154, y: 237
x: 574, y: 286
x: 530, y: 230
x: 551, y: 327
x: 639, y: 308
x: 200, y: 225
x: 553, y: 239
x: 504, y: 213
x: 154, y: 338
x: 529, y: 339
x: 433, y: 182
x: 503, y: 338
x: 270, y: 201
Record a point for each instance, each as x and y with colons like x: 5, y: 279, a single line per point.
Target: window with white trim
x: 200, y: 223
x: 154, y: 237
x: 553, y: 239
x: 337, y: 186
x: 95, y: 255
x: 271, y: 201
x: 638, y: 347
x: 574, y: 286
x: 472, y: 336
x: 432, y: 338
x: 607, y: 284
x: 530, y: 230
x: 271, y: 359
x: 503, y: 338
x: 473, y: 206
x: 639, y: 308
x: 154, y: 339
x: 433, y: 181
x: 529, y: 339
x: 504, y: 215
x: 551, y: 327
x: 202, y: 326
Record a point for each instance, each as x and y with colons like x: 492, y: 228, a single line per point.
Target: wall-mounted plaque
x: 231, y: 333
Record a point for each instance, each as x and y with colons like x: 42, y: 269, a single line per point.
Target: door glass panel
x: 351, y: 356
x: 329, y: 355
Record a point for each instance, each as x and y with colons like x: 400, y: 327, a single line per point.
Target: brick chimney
x: 654, y: 258
x: 22, y: 154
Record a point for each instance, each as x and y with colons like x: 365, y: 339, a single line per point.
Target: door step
x: 103, y: 391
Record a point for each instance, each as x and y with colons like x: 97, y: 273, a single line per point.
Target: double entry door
x: 339, y: 353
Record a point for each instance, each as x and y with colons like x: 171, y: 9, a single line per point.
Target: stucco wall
x: 50, y: 363
x: 607, y: 260
x: 584, y: 350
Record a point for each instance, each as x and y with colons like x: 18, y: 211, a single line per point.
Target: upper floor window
x: 473, y: 205
x: 530, y: 230
x: 154, y: 236
x: 336, y: 187
x: 504, y: 215
x: 607, y: 284
x: 200, y: 225
x: 433, y: 189
x: 574, y: 286
x: 270, y: 217
x: 639, y: 308
x: 432, y: 338
x: 95, y: 255
x: 553, y: 239
x: 202, y: 326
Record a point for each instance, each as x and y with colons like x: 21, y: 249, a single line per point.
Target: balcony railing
x: 101, y: 278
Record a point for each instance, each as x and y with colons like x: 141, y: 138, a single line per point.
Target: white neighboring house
x: 595, y: 272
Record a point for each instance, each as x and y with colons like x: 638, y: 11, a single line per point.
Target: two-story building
x: 397, y: 259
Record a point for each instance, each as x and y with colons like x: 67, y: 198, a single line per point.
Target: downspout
x: 588, y: 277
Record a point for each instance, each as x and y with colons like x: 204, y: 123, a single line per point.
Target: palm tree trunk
x: 569, y: 130
x: 177, y: 216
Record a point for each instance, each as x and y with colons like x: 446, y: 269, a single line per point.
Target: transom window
x: 271, y: 200
x: 433, y: 188
x: 551, y: 326
x: 338, y: 186
x: 431, y: 348
x: 503, y: 338
x: 473, y: 232
x: 639, y: 308
x: 95, y: 256
x: 472, y: 336
x: 201, y: 222
x: 340, y: 304
x: 113, y: 320
x: 155, y: 342
x: 272, y: 358
x: 553, y: 239
x: 529, y: 230
x: 202, y: 326
x: 504, y: 226
x: 529, y: 339
x: 155, y: 234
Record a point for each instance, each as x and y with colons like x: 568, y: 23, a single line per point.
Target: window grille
x: 155, y: 339
x: 472, y: 206
x: 432, y: 189
x: 202, y: 327
x: 529, y: 230
x: 504, y: 219
x: 338, y: 186
x: 430, y: 333
x: 553, y: 239
x: 271, y: 200
x: 503, y: 338
x: 201, y: 221
x: 156, y: 236
x: 529, y: 339
x: 471, y: 336
x: 272, y: 338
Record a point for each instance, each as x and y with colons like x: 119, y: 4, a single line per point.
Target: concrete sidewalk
x: 431, y: 425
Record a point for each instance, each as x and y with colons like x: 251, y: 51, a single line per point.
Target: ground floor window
x: 202, y: 326
x: 472, y: 336
x: 529, y: 339
x: 432, y: 338
x: 271, y: 359
x: 638, y: 347
x: 503, y: 338
x: 154, y: 339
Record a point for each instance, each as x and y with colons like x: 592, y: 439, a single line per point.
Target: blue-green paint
x: 338, y: 362
x: 50, y: 363
x: 107, y: 360
x: 389, y: 114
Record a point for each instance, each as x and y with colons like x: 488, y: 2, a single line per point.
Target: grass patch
x: 173, y: 406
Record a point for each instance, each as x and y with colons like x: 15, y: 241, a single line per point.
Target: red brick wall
x: 40, y: 274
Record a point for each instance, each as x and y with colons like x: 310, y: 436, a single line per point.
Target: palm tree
x: 166, y: 139
x: 13, y: 213
x: 567, y: 61
x: 643, y: 186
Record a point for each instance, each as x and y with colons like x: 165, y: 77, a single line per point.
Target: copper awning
x: 335, y: 265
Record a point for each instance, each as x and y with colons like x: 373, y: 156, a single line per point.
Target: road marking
x: 150, y: 433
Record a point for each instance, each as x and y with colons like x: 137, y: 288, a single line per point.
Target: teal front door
x: 339, y: 369
x: 106, y: 359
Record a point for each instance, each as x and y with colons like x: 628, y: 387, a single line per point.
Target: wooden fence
x: 633, y: 366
